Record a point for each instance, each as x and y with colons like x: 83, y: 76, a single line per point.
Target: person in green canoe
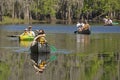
x: 86, y: 27
x: 40, y: 38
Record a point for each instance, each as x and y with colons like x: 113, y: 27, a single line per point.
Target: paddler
x: 30, y: 31
x: 40, y: 38
x: 25, y: 32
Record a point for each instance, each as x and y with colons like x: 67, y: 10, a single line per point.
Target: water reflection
x: 82, y: 42
x: 99, y: 66
x: 37, y: 57
x: 25, y: 43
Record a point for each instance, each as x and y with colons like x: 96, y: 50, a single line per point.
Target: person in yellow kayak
x: 30, y: 31
x: 25, y: 32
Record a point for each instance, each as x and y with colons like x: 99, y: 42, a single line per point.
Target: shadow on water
x: 79, y: 57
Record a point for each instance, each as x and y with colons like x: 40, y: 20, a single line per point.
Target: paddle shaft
x: 13, y: 35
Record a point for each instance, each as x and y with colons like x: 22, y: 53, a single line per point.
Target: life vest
x: 25, y: 33
x: 86, y: 27
x: 41, y: 40
x: 30, y: 32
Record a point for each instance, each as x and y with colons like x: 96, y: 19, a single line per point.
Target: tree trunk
x: 19, y: 13
x: 26, y: 12
x: 118, y: 14
x: 66, y: 14
x: 53, y: 18
x: 87, y: 16
x: 69, y: 14
x: 30, y: 16
x: 13, y: 10
x: 1, y: 11
x: 111, y: 15
x: 36, y: 14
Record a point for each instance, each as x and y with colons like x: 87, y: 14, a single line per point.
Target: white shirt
x: 110, y: 21
x: 31, y: 32
x: 105, y: 20
x: 79, y: 25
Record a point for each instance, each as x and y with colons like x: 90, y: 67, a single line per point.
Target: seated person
x: 85, y: 27
x: 105, y: 21
x: 40, y: 66
x: 79, y: 24
x: 40, y: 37
x: 109, y: 21
x: 25, y: 32
x: 30, y: 31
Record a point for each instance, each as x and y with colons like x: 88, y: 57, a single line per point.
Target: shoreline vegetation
x: 8, y: 20
x: 28, y: 11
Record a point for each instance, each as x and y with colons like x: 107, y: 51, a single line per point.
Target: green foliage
x: 44, y: 7
x: 64, y: 9
x: 8, y: 20
x: 35, y: 7
x: 101, y: 6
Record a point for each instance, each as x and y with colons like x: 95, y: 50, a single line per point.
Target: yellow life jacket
x: 42, y: 40
x: 25, y: 33
x: 30, y: 32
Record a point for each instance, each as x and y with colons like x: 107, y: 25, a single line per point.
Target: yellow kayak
x: 25, y: 38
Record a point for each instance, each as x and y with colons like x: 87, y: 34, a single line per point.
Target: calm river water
x: 79, y: 57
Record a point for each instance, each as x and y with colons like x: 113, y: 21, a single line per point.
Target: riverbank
x: 8, y: 20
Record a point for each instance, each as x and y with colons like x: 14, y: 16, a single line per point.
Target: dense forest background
x: 59, y: 9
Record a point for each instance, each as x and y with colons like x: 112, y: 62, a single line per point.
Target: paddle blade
x: 115, y: 23
x: 52, y: 58
x: 53, y: 49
